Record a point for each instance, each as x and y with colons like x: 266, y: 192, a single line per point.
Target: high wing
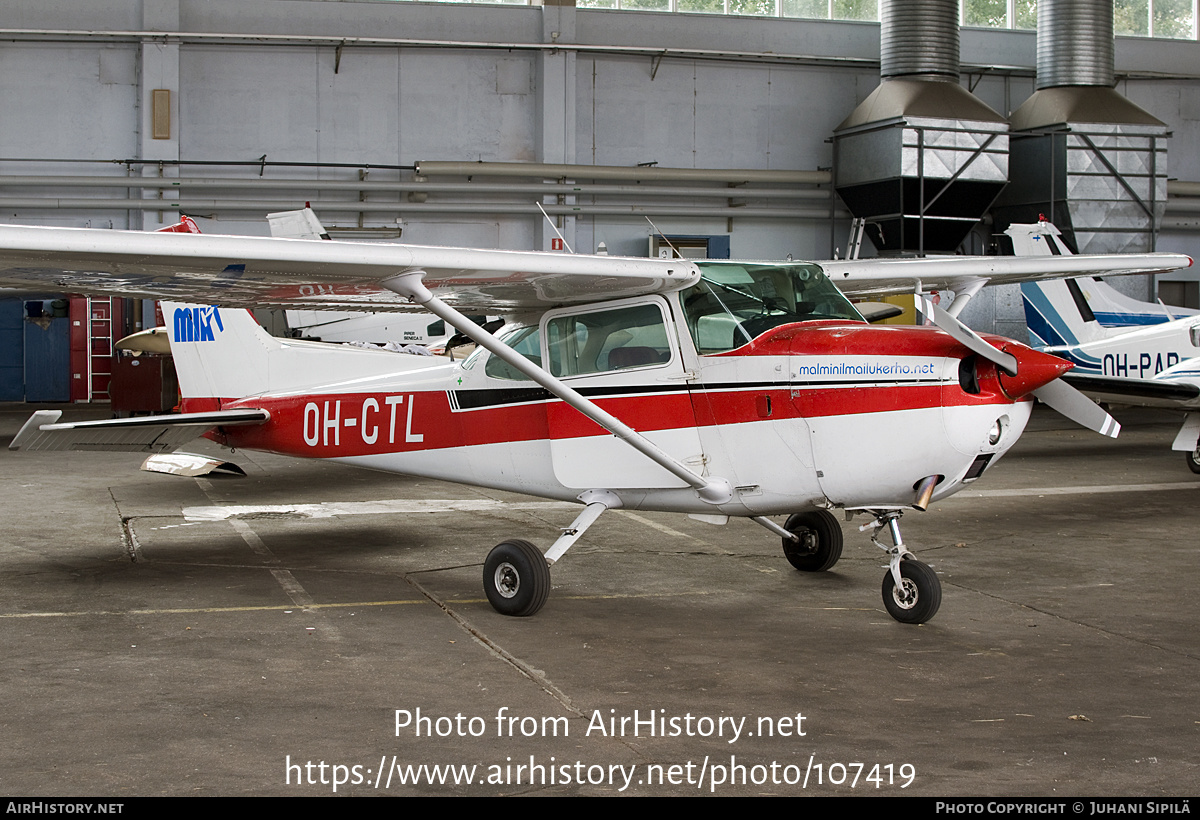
x: 296, y: 273
x: 269, y: 272
x: 861, y: 278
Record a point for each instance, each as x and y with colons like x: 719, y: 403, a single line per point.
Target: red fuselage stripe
x: 352, y: 424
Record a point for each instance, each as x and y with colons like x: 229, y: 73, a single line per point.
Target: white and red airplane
x: 714, y: 389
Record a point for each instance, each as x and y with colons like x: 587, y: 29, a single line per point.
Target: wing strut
x: 714, y: 489
x: 963, y: 294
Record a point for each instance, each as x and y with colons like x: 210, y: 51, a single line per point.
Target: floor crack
x: 500, y: 652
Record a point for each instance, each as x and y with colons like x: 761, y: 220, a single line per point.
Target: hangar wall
x: 286, y: 79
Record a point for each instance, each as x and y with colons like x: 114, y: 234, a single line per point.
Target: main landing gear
x: 820, y: 541
x: 516, y: 578
x: 1193, y: 459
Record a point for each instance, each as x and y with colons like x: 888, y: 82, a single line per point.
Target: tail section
x: 1039, y: 239
x: 1058, y: 315
x: 1061, y: 321
x: 1078, y: 311
x: 1116, y: 310
x: 1102, y: 331
x: 1064, y: 315
x: 222, y: 354
x: 302, y: 224
x: 219, y: 353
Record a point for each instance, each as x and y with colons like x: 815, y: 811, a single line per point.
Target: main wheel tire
x: 516, y: 578
x: 820, y: 544
x: 1193, y: 460
x: 918, y: 599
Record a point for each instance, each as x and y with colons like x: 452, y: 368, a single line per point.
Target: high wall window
x: 1174, y: 19
x: 815, y: 9
x: 1140, y: 18
x: 999, y: 13
x: 1155, y: 18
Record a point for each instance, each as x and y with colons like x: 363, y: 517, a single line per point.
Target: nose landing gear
x: 912, y: 592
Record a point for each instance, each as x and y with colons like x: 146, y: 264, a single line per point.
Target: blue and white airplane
x: 1124, y: 351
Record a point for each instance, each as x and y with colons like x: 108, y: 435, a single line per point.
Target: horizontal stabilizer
x: 145, y: 434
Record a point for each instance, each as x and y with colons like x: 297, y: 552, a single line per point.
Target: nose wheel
x: 918, y: 595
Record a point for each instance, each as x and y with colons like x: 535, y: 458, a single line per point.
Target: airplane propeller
x: 967, y: 337
x: 1044, y: 383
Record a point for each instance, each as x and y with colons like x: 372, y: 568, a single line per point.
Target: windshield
x: 733, y: 304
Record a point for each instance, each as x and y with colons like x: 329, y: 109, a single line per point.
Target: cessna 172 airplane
x: 715, y: 389
x: 1124, y: 351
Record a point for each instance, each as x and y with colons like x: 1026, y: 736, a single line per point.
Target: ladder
x: 100, y: 347
x: 857, y: 226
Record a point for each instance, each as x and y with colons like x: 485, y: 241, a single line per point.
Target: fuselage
x: 816, y: 412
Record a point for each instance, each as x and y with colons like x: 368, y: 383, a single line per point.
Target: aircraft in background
x: 354, y: 326
x: 715, y: 389
x: 1125, y: 351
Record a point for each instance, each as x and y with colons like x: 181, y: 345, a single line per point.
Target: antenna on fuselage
x: 566, y: 244
x: 664, y: 237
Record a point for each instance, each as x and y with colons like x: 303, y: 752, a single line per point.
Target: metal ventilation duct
x: 918, y: 38
x: 921, y: 158
x: 1075, y: 43
x: 1083, y: 155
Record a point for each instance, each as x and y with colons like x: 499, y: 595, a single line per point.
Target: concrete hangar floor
x: 154, y: 645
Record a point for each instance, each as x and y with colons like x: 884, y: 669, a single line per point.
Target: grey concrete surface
x: 150, y: 653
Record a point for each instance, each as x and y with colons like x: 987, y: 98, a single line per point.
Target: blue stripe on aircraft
x: 1043, y: 320
x: 1133, y: 319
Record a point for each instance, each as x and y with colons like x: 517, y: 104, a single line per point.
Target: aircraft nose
x: 1034, y: 369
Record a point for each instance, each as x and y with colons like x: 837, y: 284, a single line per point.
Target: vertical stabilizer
x: 302, y: 224
x: 1058, y: 311
x: 219, y: 352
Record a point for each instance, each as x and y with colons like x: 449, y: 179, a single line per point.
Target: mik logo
x: 196, y: 324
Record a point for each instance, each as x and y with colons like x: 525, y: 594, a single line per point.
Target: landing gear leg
x: 516, y: 576
x: 912, y: 592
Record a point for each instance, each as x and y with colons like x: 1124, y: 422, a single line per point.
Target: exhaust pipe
x: 925, y: 492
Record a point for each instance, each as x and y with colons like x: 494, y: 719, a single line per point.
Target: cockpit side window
x: 603, y: 340
x: 733, y: 304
